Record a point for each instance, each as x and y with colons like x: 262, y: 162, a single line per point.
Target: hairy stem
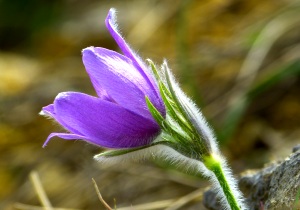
x: 214, y: 164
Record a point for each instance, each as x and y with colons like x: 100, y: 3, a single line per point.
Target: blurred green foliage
x: 21, y: 20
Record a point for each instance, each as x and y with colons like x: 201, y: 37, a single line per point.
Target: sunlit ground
x: 238, y: 60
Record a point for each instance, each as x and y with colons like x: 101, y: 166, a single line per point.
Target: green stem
x: 213, y: 163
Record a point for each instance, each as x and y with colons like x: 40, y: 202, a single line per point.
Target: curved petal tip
x: 66, y: 136
x: 91, y: 48
x: 111, y: 16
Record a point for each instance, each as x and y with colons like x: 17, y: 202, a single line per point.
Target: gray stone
x: 296, y: 148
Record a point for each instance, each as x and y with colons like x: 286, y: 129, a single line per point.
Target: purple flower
x: 118, y: 117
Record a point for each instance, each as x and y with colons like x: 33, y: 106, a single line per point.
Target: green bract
x: 179, y: 126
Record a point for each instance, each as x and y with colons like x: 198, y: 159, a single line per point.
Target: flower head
x: 133, y: 107
x: 118, y: 117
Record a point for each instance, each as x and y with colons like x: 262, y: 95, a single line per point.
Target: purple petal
x: 101, y: 122
x: 117, y: 75
x: 67, y: 136
x: 48, y: 110
x: 111, y: 25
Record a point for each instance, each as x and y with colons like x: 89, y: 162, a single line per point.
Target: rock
x: 276, y: 186
x: 296, y: 148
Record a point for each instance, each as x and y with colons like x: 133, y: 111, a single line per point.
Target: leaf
x: 155, y: 113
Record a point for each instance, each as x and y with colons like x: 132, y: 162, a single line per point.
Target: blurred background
x: 238, y: 60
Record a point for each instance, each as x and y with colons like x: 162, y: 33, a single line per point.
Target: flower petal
x: 48, y: 111
x: 120, y: 79
x: 101, y: 122
x: 67, y: 136
x: 111, y: 25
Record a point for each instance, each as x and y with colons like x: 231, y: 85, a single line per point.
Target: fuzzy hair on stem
x: 188, y: 165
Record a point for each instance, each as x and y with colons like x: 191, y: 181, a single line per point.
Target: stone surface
x: 276, y: 186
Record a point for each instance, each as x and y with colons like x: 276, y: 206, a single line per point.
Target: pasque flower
x: 140, y: 111
x: 118, y: 117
